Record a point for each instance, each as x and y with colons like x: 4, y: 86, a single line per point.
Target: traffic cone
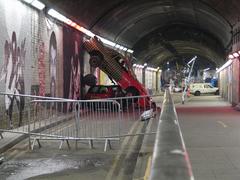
x: 188, y: 92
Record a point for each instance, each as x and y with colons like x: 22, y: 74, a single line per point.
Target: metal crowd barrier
x: 49, y: 118
x: 170, y: 157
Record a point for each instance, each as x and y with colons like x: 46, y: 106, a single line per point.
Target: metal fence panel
x: 65, y: 119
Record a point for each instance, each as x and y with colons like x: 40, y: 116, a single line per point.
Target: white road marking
x: 222, y: 123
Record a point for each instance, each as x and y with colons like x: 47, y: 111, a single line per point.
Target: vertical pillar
x: 144, y: 75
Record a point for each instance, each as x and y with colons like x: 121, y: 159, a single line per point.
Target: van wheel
x: 197, y: 93
x: 96, y: 59
x: 217, y: 92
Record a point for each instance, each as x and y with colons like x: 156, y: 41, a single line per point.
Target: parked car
x: 203, y: 88
x: 118, y: 68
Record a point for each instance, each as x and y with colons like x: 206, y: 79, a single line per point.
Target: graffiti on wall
x: 41, y: 70
x: 53, y: 62
x: 12, y: 75
x: 74, y: 87
x: 72, y: 64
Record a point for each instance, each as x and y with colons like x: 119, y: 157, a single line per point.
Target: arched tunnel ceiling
x: 131, y: 22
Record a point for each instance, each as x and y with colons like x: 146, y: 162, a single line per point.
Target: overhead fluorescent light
x: 87, y: 32
x: 105, y: 41
x: 37, y: 4
x: 59, y: 16
x: 229, y: 62
x: 130, y: 51
x: 117, y: 46
x: 236, y: 54
x: 152, y: 69
x: 64, y: 19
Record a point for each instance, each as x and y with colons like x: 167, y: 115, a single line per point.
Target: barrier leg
x: 91, y: 144
x: 107, y: 144
x: 60, y: 146
x: 33, y: 143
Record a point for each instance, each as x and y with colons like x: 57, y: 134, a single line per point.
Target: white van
x: 203, y: 88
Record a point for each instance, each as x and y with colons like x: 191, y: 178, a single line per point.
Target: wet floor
x: 52, y: 163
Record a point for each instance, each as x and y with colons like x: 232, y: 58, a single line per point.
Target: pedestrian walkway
x: 211, y: 131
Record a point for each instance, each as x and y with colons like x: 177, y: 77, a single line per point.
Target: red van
x: 117, y: 67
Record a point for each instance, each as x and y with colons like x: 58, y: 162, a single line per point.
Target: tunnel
x: 164, y: 32
x: 159, y: 31
x: 146, y: 59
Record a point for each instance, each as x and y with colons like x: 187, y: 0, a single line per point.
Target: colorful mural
x: 72, y: 63
x: 41, y: 70
x: 52, y: 63
x: 12, y: 74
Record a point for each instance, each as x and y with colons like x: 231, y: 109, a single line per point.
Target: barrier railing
x: 170, y: 157
x: 51, y: 118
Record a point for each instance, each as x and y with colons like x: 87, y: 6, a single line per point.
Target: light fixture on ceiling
x: 230, y: 56
x: 105, y: 41
x: 130, y: 51
x: 28, y: 1
x: 59, y: 16
x: 64, y: 19
x: 235, y: 54
x: 35, y: 3
x: 229, y: 62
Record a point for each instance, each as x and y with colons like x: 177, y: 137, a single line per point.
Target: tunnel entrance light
x: 229, y: 62
x: 73, y: 24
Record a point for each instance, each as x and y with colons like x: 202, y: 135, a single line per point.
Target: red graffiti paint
x: 41, y: 70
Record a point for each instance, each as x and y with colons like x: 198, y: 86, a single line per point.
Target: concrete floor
x: 209, y: 125
x: 211, y: 129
